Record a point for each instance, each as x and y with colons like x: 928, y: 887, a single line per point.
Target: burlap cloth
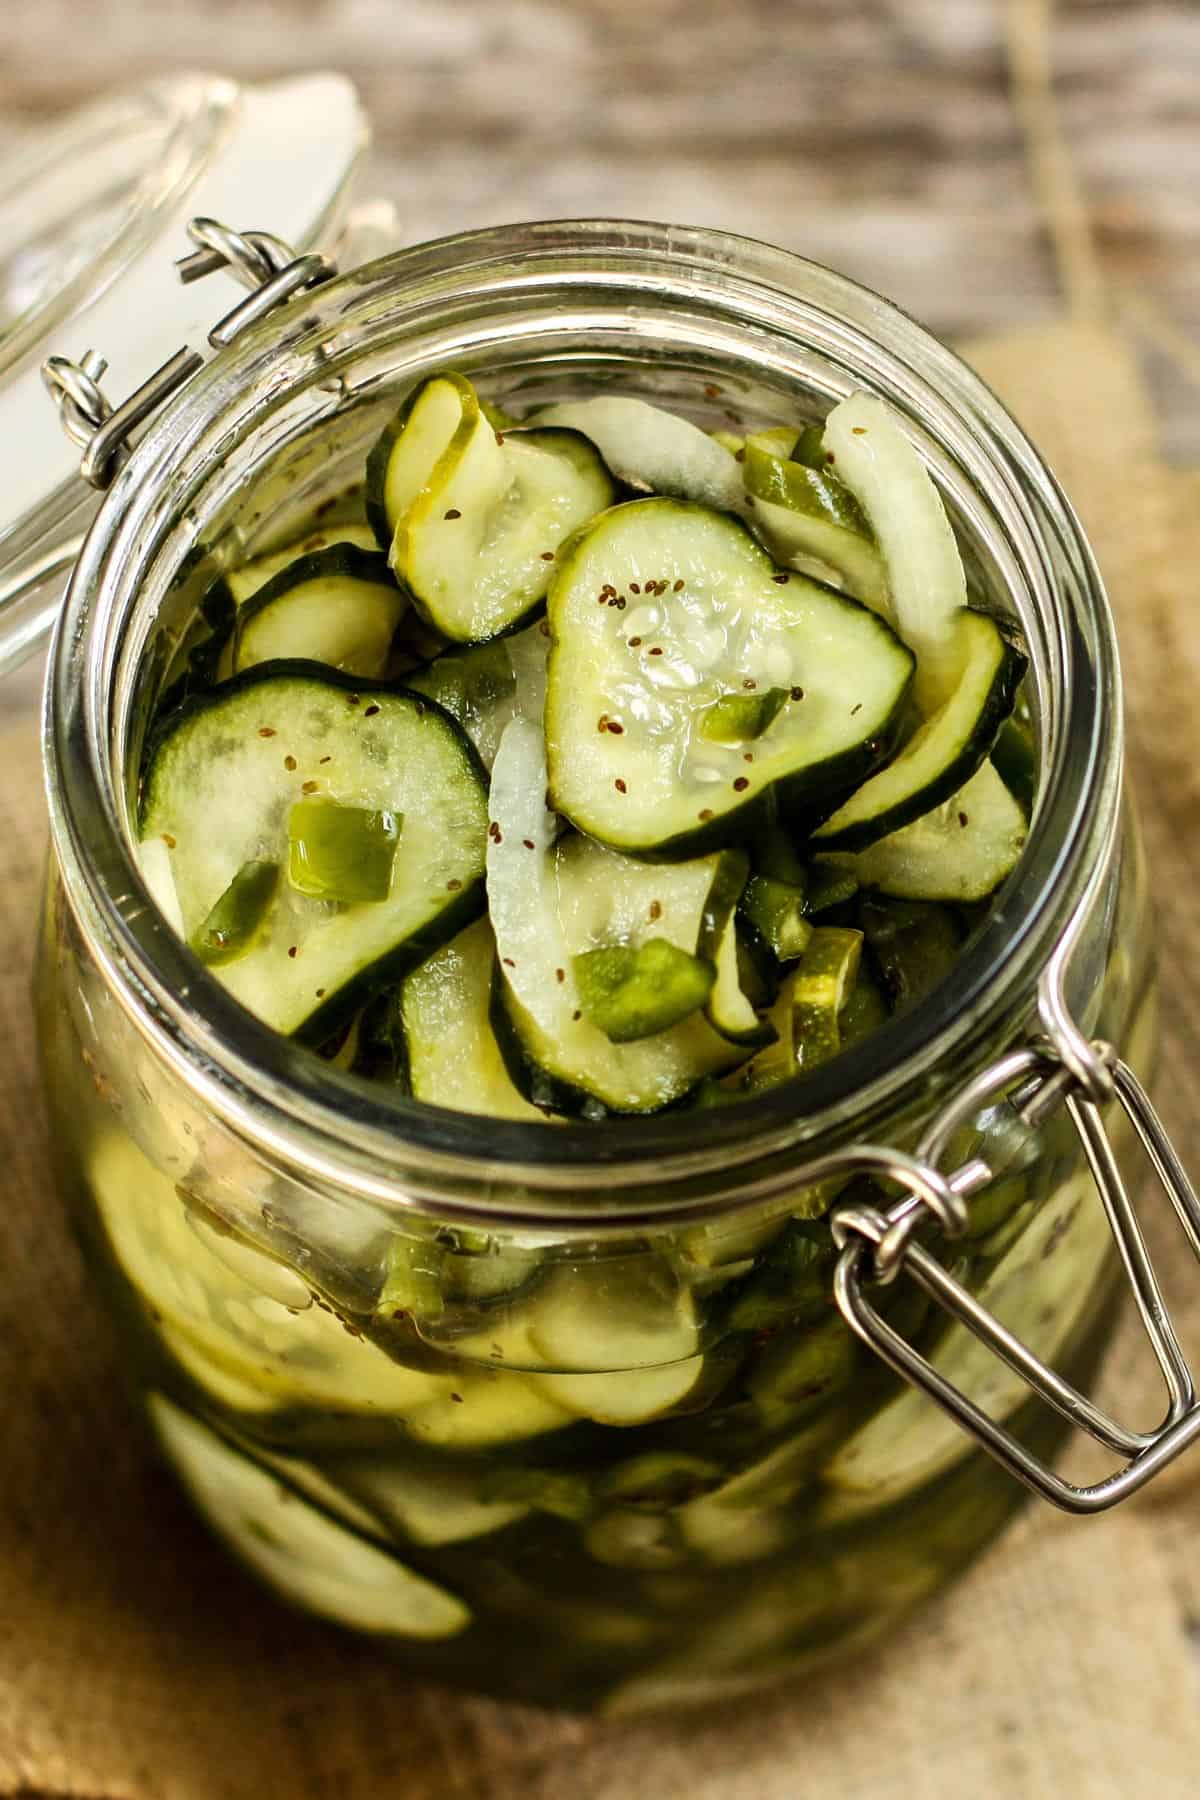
x: 136, y: 1663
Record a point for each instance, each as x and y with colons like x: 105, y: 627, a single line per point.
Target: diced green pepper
x: 776, y: 911
x: 412, y: 1284
x: 737, y: 718
x: 633, y: 993
x: 809, y: 448
x: 802, y: 488
x: 342, y: 853
x: 238, y: 916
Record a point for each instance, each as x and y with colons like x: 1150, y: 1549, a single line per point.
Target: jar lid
x: 93, y: 215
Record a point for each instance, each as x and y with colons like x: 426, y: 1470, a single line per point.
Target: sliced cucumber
x: 635, y: 1343
x: 252, y: 576
x: 913, y: 944
x: 477, y: 686
x: 547, y: 906
x: 428, y: 1505
x: 946, y: 748
x: 729, y: 1008
x: 453, y: 1057
x: 876, y: 460
x: 800, y: 511
x: 278, y: 735
x: 961, y: 851
x: 305, y: 1555
x: 658, y: 610
x: 476, y: 515
x: 653, y: 450
x: 822, y: 984
x: 337, y: 606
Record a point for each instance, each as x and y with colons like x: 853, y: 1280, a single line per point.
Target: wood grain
x: 880, y: 137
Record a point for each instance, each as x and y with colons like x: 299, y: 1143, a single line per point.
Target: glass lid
x: 93, y: 216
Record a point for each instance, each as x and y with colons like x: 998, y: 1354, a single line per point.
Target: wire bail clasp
x: 877, y: 1244
x: 272, y: 271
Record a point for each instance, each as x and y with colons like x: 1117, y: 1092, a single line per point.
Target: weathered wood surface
x: 882, y: 137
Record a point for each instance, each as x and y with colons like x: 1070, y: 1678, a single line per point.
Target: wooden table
x: 916, y: 144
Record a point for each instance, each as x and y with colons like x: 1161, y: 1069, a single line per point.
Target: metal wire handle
x: 264, y: 264
x: 878, y: 1244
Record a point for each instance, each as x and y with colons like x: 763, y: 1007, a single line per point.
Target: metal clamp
x: 268, y: 267
x: 1062, y: 1069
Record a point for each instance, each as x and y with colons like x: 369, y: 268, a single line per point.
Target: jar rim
x: 339, y: 1133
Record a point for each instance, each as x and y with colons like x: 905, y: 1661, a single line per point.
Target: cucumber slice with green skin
x: 634, y: 1343
x: 959, y: 852
x: 477, y: 686
x: 878, y: 463
x: 823, y: 981
x: 244, y: 582
x: 338, y: 606
x: 729, y: 1008
x: 546, y: 906
x: 308, y: 1557
x: 1015, y: 757
x: 802, y: 1369
x: 427, y: 1505
x: 660, y: 608
x: 800, y: 511
x: 266, y: 737
x: 651, y: 449
x: 913, y: 945
x: 945, y: 751
x: 452, y: 1055
x: 477, y: 515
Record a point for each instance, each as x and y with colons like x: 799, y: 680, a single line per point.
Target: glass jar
x: 569, y: 1415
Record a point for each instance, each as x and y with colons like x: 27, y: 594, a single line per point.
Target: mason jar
x: 592, y: 1415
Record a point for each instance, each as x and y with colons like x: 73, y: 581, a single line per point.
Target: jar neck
x: 663, y: 312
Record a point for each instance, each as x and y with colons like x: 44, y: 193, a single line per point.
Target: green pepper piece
x: 802, y: 489
x: 413, y: 1282
x: 824, y: 979
x: 238, y: 916
x: 633, y: 993
x: 776, y: 911
x: 809, y: 448
x: 737, y: 718
x: 342, y: 853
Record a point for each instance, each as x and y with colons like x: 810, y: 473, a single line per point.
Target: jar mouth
x: 689, y: 291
